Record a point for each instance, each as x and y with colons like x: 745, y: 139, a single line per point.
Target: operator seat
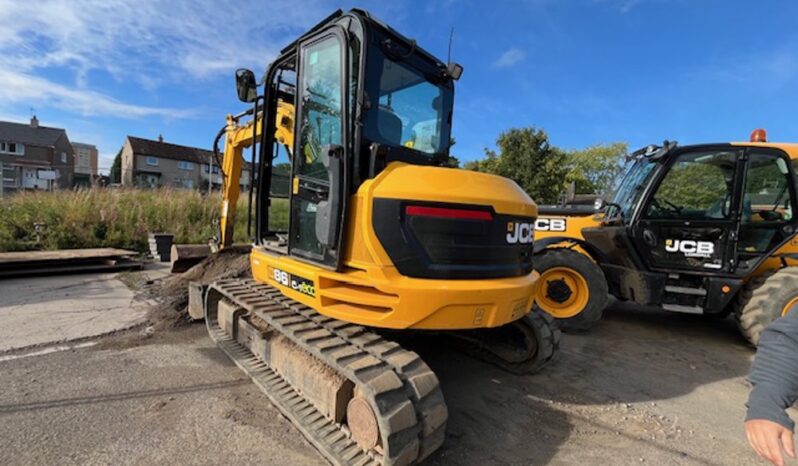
x: 389, y: 125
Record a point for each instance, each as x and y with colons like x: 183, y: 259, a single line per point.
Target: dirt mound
x: 172, y: 292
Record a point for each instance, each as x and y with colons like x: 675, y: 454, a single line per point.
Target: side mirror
x: 246, y: 85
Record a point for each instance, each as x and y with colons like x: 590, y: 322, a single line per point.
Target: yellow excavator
x: 382, y: 238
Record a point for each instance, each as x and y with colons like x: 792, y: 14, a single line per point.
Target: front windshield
x: 412, y: 111
x: 631, y: 187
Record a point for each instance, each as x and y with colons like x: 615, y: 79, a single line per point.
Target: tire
x: 548, y: 334
x: 582, y: 276
x: 763, y: 300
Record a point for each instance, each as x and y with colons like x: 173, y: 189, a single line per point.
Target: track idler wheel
x: 362, y: 422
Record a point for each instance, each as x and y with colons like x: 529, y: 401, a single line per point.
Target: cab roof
x: 789, y: 147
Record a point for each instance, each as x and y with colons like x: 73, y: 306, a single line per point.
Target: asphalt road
x: 643, y: 387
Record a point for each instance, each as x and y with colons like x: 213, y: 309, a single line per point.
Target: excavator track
x: 399, y: 388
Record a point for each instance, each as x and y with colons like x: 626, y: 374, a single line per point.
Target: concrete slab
x: 44, y: 310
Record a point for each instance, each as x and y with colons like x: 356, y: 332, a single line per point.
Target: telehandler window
x: 698, y: 186
x: 767, y: 203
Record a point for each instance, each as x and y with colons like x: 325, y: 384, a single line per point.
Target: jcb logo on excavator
x: 690, y: 248
x: 520, y: 232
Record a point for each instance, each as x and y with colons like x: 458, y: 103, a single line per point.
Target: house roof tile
x: 168, y: 150
x: 26, y: 134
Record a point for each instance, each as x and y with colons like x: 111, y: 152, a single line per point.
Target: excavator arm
x: 239, y: 136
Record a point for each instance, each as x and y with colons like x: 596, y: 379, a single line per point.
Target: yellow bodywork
x: 573, y: 225
x: 370, y: 291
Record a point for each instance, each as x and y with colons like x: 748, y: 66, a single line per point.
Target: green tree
x: 452, y: 162
x: 487, y: 165
x: 595, y: 169
x: 116, y: 168
x: 283, y: 167
x: 526, y: 156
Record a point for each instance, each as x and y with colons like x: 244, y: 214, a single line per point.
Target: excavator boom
x: 239, y: 137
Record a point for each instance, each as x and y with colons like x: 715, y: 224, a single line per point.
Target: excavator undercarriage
x: 359, y: 398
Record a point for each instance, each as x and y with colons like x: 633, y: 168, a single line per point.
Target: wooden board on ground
x: 26, y: 263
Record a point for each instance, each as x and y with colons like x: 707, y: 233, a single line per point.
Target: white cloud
x: 509, y: 58
x: 24, y: 88
x: 144, y: 42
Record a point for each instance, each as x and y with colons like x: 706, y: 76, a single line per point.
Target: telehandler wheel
x: 572, y: 288
x: 765, y: 299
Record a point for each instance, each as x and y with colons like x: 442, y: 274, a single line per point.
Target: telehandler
x: 704, y: 229
x: 380, y: 236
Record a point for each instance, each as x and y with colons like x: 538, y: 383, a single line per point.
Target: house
x: 155, y: 163
x: 34, y: 157
x: 85, y: 164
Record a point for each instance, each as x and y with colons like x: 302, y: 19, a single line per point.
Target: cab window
x: 320, y: 119
x: 698, y: 186
x: 767, y: 202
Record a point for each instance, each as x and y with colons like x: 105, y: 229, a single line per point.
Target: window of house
x: 215, y: 169
x: 183, y: 165
x: 63, y: 157
x: 12, y: 148
x: 153, y: 161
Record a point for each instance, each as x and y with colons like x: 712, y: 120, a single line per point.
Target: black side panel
x: 634, y: 285
x: 615, y: 244
x: 717, y: 300
x: 450, y: 248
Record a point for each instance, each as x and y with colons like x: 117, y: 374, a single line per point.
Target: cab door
x: 690, y: 220
x: 320, y: 151
x: 767, y: 217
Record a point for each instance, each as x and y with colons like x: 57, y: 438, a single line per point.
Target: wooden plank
x: 63, y: 255
x: 57, y: 269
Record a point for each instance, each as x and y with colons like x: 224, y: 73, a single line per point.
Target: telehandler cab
x: 380, y: 236
x: 705, y: 229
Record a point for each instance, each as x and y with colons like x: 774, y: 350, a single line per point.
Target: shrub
x: 89, y: 218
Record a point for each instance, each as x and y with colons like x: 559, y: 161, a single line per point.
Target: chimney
x: 160, y: 138
x: 34, y: 122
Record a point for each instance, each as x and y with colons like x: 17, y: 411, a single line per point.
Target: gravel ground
x: 643, y: 387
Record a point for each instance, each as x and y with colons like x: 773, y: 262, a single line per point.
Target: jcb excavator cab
x: 696, y: 229
x: 380, y: 235
x: 365, y: 96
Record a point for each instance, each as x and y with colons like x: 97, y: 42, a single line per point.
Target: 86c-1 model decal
x: 295, y: 282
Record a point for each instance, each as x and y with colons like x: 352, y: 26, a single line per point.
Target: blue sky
x: 586, y: 71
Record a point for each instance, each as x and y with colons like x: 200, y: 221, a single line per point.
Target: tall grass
x: 117, y: 218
